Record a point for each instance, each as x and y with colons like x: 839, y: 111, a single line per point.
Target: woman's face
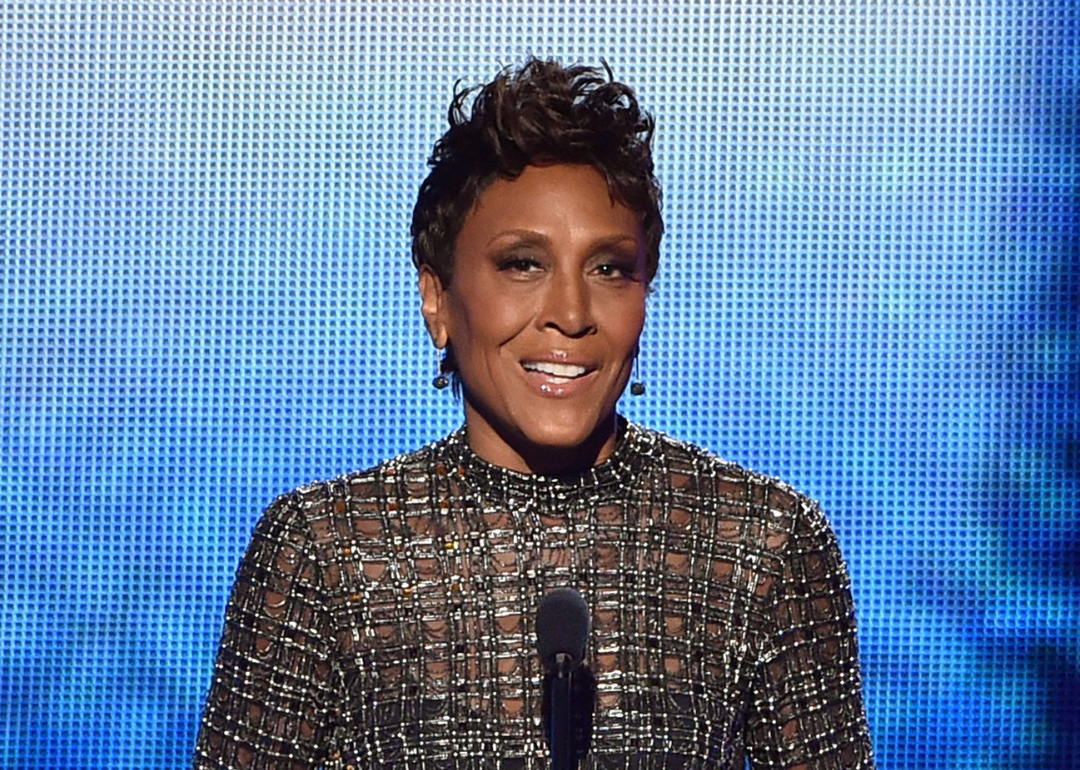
x: 543, y: 312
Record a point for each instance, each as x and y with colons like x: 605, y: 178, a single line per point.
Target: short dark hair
x: 540, y: 113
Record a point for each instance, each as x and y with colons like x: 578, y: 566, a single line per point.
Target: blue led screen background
x: 868, y: 287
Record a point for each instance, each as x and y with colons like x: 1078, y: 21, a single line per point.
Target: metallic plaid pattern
x: 385, y: 619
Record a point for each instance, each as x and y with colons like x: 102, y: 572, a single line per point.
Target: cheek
x: 625, y: 322
x: 488, y: 319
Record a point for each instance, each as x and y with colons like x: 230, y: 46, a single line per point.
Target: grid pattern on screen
x: 868, y: 287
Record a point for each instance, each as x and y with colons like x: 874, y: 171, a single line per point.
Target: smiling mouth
x: 559, y: 372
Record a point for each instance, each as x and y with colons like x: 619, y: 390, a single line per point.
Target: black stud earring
x: 637, y: 387
x: 441, y: 381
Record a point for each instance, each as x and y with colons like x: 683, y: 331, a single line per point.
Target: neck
x: 517, y: 453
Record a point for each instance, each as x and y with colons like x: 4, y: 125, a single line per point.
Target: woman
x: 385, y: 619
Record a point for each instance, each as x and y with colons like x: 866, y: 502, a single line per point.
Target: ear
x: 433, y: 302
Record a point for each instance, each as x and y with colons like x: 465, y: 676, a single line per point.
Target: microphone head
x: 562, y: 625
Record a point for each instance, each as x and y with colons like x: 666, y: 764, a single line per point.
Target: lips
x: 559, y: 378
x: 556, y: 371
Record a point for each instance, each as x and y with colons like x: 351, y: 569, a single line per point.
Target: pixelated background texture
x: 869, y: 287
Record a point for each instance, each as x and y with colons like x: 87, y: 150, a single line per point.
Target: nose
x: 567, y: 306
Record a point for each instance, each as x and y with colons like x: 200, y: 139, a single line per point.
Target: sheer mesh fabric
x: 385, y: 619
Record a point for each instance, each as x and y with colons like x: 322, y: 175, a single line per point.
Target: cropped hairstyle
x: 542, y: 113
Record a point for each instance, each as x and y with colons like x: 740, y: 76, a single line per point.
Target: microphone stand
x: 563, y: 750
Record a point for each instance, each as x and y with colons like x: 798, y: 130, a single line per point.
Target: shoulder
x: 320, y: 512
x: 701, y: 469
x: 696, y: 475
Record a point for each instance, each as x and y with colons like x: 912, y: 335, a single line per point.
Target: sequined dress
x: 386, y: 619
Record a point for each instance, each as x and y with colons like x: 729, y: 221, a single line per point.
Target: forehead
x: 554, y: 196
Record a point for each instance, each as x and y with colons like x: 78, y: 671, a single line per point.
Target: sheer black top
x: 386, y: 619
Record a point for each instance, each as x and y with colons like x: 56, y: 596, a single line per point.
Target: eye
x: 519, y: 263
x: 624, y: 269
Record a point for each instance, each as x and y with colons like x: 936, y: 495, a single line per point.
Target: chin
x: 571, y: 434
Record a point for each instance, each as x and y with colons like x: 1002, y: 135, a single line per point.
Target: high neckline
x: 505, y: 487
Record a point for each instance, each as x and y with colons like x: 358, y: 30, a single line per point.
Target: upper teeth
x: 556, y: 370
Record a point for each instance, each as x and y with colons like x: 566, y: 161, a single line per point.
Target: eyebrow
x: 533, y: 237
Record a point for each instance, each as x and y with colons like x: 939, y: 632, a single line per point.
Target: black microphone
x: 562, y: 634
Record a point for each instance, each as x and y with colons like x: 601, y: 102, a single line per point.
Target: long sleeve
x: 380, y: 619
x: 807, y: 709
x: 271, y: 700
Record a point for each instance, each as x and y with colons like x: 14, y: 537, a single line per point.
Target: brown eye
x: 618, y: 269
x: 519, y: 263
